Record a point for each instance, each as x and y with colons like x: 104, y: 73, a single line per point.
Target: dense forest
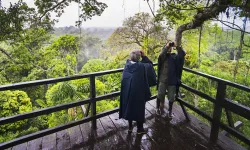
x: 43, y: 52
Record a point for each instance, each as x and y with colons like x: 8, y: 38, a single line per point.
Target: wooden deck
x: 111, y: 133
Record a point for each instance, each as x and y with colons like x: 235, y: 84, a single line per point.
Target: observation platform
x: 111, y: 133
x: 105, y: 131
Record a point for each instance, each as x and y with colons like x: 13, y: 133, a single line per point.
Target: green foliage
x: 177, y: 12
x: 140, y: 32
x: 12, y: 103
x: 66, y: 44
x: 18, y: 16
x: 170, y: 11
x: 60, y: 93
x: 32, y: 54
x: 32, y: 59
x: 89, y: 8
x: 66, y: 92
x: 223, y: 69
x: 218, y: 52
x: 13, y: 19
x: 106, y: 105
x: 93, y: 65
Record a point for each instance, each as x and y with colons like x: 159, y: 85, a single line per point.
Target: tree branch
x: 156, y: 46
x: 52, y: 8
x: 207, y: 3
x: 224, y: 23
x: 178, y: 8
x: 89, y: 4
x: 5, y: 52
x: 202, y: 16
x: 246, y: 44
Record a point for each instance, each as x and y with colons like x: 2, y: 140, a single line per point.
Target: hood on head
x: 131, y: 67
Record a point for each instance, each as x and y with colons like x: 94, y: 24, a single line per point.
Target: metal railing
x: 219, y: 102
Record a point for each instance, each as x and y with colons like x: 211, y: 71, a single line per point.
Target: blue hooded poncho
x: 135, y: 91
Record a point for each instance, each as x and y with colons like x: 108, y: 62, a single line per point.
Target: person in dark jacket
x: 170, y: 67
x: 134, y: 91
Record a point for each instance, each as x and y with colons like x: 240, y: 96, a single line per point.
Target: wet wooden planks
x: 193, y: 134
x: 22, y: 146
x: 89, y: 137
x: 35, y: 144
x: 75, y: 137
x: 49, y: 142
x: 163, y: 132
x: 63, y: 140
x: 112, y: 133
x: 182, y: 135
x: 115, y: 140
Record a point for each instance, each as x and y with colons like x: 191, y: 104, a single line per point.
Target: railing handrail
x: 227, y: 82
x: 80, y: 76
x: 52, y: 109
x: 55, y: 80
x: 223, y: 103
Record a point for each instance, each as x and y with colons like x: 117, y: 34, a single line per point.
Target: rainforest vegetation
x: 31, y: 48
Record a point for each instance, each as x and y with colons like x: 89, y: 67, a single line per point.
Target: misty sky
x: 113, y: 16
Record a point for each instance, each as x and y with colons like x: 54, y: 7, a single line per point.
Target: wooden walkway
x: 111, y: 133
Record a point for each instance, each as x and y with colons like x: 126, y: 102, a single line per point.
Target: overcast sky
x: 113, y: 16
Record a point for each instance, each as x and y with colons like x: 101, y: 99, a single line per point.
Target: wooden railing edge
x: 219, y: 102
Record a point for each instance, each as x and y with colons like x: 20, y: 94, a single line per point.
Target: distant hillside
x: 101, y: 33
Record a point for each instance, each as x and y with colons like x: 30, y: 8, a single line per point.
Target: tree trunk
x: 200, y: 17
x: 83, y: 109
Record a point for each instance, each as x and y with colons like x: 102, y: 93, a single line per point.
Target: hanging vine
x: 238, y: 54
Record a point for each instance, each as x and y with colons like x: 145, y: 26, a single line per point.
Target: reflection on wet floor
x: 112, y: 133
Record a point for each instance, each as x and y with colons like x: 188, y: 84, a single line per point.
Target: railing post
x: 93, y: 103
x: 229, y: 118
x: 220, y: 97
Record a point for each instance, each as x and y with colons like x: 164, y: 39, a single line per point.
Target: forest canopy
x: 213, y: 33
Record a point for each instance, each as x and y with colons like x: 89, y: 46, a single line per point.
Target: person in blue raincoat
x: 135, y: 90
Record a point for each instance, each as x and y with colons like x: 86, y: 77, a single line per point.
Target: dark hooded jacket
x: 134, y: 91
x: 175, y: 65
x: 151, y: 75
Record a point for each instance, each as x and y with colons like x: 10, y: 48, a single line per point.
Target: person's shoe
x: 142, y: 131
x: 158, y: 111
x: 170, y: 115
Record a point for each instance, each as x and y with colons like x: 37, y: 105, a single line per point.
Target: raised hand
x: 142, y: 53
